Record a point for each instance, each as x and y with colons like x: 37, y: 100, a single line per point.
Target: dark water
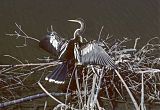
x: 121, y: 18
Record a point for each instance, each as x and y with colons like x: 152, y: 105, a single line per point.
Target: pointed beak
x: 73, y: 21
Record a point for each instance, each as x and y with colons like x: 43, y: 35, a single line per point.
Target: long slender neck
x: 80, y: 30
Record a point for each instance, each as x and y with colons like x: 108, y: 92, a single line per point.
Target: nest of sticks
x: 136, y: 79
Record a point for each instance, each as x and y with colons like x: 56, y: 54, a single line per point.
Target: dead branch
x: 29, y: 98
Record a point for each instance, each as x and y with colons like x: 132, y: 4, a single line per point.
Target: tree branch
x: 29, y: 98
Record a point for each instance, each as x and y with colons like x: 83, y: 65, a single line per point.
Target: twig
x: 45, y: 105
x: 129, y: 92
x: 100, y: 33
x: 78, y: 87
x: 99, y: 79
x: 29, y: 98
x: 142, y: 92
x: 25, y: 36
x: 32, y: 64
x: 135, y: 44
x: 14, y: 58
x: 49, y: 94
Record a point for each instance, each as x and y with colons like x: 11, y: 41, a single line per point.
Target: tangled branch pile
x: 139, y: 69
x: 94, y: 87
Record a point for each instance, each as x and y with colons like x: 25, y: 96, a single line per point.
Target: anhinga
x: 74, y: 52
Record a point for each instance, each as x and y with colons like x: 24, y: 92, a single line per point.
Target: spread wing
x: 94, y: 54
x: 53, y: 43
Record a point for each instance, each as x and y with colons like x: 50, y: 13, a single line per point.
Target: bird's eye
x: 50, y: 33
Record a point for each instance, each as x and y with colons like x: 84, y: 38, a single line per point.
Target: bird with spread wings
x: 73, y: 51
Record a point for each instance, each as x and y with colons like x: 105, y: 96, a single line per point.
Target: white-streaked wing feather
x: 63, y: 50
x: 94, y: 54
x: 53, y: 43
x: 87, y: 49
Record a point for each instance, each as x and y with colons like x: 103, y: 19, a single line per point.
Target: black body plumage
x: 72, y: 52
x: 52, y: 43
x: 64, y: 50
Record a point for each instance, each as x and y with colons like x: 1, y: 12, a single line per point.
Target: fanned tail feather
x: 59, y: 74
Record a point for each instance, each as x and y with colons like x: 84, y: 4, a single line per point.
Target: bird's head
x: 80, y: 30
